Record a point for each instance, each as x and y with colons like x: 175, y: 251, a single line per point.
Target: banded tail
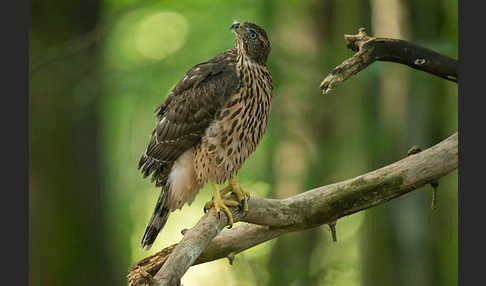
x: 158, y: 219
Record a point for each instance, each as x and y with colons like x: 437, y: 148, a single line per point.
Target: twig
x: 303, y: 211
x: 332, y: 227
x: 371, y: 49
x: 231, y: 258
x: 435, y: 185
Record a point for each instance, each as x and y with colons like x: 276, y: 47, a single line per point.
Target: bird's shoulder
x: 213, y: 78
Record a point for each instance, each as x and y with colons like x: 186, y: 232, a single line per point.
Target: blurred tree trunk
x: 383, y: 255
x: 305, y: 120
x: 399, y: 249
x: 438, y: 98
x: 65, y: 175
x: 294, y: 66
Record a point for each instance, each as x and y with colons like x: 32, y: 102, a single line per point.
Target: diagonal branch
x: 370, y: 49
x: 270, y: 218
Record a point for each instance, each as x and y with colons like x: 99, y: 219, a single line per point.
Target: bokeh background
x: 98, y: 69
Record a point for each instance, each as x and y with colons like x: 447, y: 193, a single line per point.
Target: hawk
x: 207, y: 127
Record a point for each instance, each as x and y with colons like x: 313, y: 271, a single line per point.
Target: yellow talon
x: 241, y: 195
x: 220, y: 204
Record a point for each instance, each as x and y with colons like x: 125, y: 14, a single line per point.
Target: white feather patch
x: 182, y: 179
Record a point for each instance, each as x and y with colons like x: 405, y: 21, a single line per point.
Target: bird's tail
x: 158, y: 219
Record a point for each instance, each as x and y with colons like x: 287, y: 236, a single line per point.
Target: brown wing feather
x: 186, y: 113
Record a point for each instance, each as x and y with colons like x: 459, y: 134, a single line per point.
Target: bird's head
x: 252, y: 41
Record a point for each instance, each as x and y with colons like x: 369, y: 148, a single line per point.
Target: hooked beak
x: 235, y: 26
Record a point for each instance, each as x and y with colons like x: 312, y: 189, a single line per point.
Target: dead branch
x: 371, y: 49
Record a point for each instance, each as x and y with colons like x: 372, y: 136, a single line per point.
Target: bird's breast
x: 238, y: 126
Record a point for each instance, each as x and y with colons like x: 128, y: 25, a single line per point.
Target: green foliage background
x: 99, y: 69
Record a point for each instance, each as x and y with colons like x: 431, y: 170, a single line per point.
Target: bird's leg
x: 221, y: 204
x: 241, y: 195
x: 222, y: 192
x: 226, y: 190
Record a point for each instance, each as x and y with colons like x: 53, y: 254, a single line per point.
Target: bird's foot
x: 219, y: 204
x: 223, y: 205
x: 241, y: 195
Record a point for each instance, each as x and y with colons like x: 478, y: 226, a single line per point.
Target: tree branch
x: 370, y: 49
x: 269, y: 218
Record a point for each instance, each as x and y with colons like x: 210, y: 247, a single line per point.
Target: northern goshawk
x: 208, y: 126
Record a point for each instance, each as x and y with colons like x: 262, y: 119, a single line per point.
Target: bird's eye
x: 252, y: 35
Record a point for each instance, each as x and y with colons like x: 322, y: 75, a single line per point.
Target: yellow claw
x: 241, y: 195
x: 220, y: 204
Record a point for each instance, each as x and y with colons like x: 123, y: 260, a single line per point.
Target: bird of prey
x: 207, y: 127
